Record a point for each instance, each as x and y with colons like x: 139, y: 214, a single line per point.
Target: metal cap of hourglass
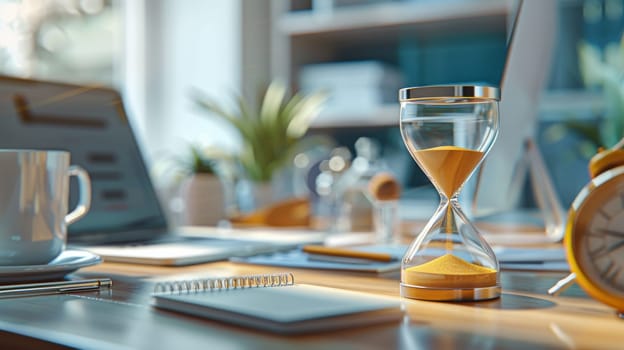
x: 449, y: 91
x: 448, y: 130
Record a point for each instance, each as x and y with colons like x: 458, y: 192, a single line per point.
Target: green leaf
x: 245, y: 109
x: 307, y: 109
x: 271, y: 132
x: 199, y: 163
x: 273, y: 97
x: 586, y: 131
x: 290, y: 109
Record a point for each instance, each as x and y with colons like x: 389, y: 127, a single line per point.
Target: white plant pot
x: 263, y: 194
x: 203, y: 200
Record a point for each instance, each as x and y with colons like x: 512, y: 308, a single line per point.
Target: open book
x: 275, y: 303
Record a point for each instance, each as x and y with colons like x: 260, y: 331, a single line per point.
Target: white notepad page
x: 295, y: 308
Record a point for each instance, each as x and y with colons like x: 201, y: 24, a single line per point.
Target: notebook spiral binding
x: 215, y: 284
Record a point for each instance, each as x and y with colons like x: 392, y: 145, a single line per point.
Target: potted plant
x: 202, y: 190
x: 271, y: 130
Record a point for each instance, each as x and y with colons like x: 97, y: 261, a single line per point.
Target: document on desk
x: 275, y: 303
x: 509, y: 258
x: 297, y: 258
x: 537, y: 259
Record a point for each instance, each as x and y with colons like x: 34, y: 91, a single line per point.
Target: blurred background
x: 160, y: 52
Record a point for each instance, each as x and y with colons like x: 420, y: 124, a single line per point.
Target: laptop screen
x: 90, y: 122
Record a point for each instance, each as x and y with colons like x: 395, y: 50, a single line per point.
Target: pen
x: 347, y: 253
x: 31, y: 289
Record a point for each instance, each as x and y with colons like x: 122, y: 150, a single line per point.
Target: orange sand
x: 448, y: 166
x: 449, y: 271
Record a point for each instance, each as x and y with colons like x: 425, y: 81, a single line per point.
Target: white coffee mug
x: 34, y: 191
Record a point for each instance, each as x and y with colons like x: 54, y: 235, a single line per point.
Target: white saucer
x: 69, y: 261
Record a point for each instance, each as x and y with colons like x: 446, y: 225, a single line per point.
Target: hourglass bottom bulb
x: 449, y: 278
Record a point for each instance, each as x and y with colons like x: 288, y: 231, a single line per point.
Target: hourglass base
x: 450, y: 294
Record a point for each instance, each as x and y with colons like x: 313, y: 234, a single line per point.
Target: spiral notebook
x: 276, y: 303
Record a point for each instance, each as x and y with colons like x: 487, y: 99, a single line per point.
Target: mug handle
x: 84, y: 190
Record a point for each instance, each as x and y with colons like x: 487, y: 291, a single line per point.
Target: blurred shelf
x: 389, y: 19
x: 560, y: 105
x: 372, y: 32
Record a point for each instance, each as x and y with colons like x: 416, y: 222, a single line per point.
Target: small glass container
x: 448, y: 130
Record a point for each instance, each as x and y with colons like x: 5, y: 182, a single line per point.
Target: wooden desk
x: 525, y: 317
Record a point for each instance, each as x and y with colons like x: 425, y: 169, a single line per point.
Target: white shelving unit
x: 394, y: 17
x: 310, y: 36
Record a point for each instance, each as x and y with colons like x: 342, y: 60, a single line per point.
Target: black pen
x: 45, y: 288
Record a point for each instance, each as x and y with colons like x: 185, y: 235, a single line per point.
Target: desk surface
x: 524, y: 317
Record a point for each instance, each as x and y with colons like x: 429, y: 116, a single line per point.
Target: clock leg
x: 562, y: 285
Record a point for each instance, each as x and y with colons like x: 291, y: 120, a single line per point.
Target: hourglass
x: 448, y: 130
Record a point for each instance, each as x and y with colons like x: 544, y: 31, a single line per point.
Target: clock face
x: 597, y: 238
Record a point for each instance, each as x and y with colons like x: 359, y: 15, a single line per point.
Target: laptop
x: 126, y: 222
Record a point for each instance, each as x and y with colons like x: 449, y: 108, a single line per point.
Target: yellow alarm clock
x: 594, y: 237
